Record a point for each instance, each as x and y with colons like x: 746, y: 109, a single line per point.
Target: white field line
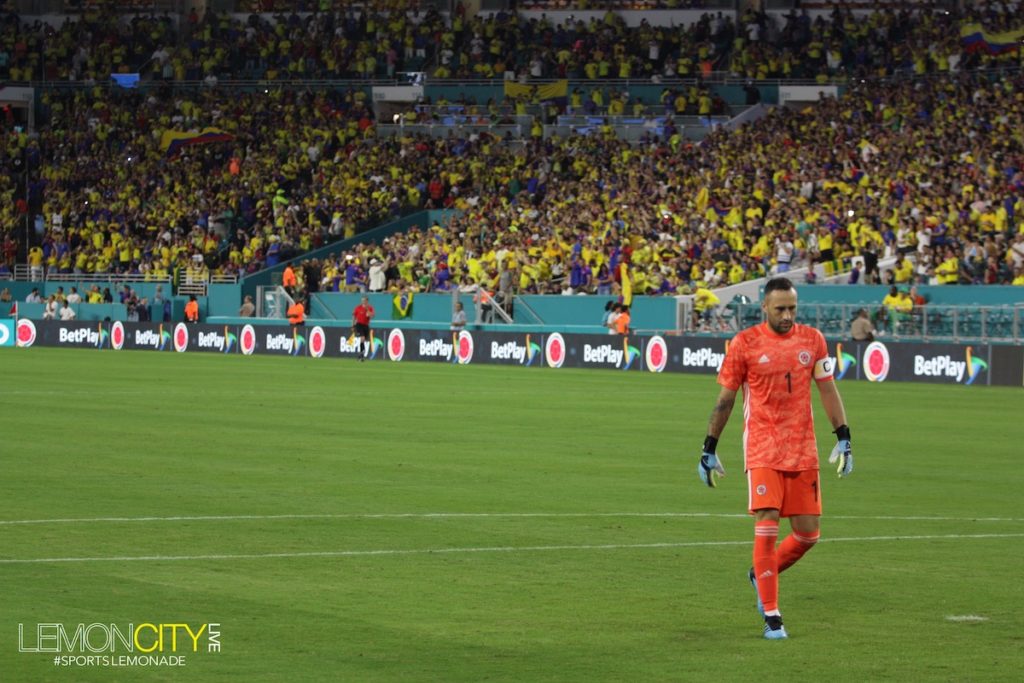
x: 966, y: 618
x: 492, y: 549
x: 471, y: 515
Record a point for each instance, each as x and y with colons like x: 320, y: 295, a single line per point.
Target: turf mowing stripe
x: 493, y: 549
x: 457, y: 515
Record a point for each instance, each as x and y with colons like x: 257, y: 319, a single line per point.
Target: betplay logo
x: 702, y: 357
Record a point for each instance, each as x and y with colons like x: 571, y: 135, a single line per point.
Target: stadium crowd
x: 935, y: 169
x: 931, y: 166
x: 333, y: 40
x: 934, y: 172
x: 114, y: 200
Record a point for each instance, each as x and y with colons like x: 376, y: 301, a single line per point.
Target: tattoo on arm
x: 720, y: 415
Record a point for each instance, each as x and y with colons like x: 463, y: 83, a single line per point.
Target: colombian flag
x: 975, y: 38
x: 172, y: 141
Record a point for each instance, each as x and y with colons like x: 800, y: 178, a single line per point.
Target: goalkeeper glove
x: 842, y: 454
x: 709, y: 468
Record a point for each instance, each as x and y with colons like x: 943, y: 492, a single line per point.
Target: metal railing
x: 197, y: 288
x: 23, y: 273
x: 272, y: 301
x: 439, y: 130
x: 286, y: 83
x: 630, y: 133
x: 928, y: 323
x: 652, y: 115
x: 629, y: 128
x: 524, y: 313
x: 575, y: 116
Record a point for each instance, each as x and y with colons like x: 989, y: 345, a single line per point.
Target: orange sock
x: 766, y: 564
x: 793, y: 548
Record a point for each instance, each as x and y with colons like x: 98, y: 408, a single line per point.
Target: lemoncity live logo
x: 145, y: 644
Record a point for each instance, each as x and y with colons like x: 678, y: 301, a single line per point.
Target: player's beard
x: 781, y: 327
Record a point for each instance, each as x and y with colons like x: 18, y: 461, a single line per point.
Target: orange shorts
x: 791, y: 493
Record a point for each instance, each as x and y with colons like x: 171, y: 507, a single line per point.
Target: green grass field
x: 418, y: 522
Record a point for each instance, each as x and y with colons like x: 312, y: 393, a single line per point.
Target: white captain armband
x: 824, y: 368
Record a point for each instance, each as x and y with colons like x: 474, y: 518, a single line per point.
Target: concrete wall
x: 638, y: 90
x: 631, y: 17
x: 649, y: 313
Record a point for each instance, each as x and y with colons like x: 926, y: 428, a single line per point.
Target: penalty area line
x: 486, y: 549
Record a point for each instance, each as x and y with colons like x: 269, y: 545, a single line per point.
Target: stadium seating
x: 301, y: 40
x: 285, y: 172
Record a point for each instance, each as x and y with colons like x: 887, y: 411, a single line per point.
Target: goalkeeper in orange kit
x: 774, y: 364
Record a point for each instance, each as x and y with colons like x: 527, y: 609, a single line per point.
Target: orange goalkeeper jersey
x: 775, y: 373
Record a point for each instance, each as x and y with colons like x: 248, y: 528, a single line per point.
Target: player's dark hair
x: 778, y: 284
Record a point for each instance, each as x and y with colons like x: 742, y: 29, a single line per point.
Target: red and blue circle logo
x: 181, y: 337
x: 117, y: 335
x: 396, y: 345
x: 317, y: 342
x: 554, y: 350
x: 465, y: 348
x: 876, y: 362
x: 247, y: 340
x: 656, y: 354
x: 26, y: 333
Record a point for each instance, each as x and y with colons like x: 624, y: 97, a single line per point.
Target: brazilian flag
x: 402, y: 305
